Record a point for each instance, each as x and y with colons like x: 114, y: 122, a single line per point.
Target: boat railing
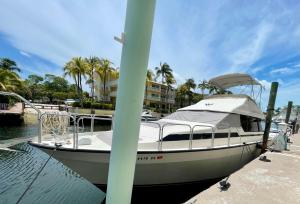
x: 191, y: 131
x: 92, y: 117
x: 76, y: 123
x: 173, y: 124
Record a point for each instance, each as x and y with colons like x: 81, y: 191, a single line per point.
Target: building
x: 157, y: 96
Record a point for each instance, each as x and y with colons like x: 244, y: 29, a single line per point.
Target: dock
x: 17, y: 109
x: 274, y: 181
x: 49, y: 106
x: 5, y: 144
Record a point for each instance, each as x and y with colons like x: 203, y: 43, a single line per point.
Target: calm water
x: 55, y: 184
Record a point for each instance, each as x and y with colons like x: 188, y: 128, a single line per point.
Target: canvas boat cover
x: 237, y: 104
x: 232, y: 80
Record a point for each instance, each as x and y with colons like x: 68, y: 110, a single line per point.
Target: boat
x: 208, y: 140
x: 147, y: 116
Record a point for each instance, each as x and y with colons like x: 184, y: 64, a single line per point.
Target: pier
x: 17, y: 109
x: 12, y: 115
x: 49, y: 106
x: 273, y: 181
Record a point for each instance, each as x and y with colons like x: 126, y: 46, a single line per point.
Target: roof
x: 232, y: 80
x: 238, y: 104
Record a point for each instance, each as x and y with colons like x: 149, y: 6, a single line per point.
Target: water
x: 56, y: 182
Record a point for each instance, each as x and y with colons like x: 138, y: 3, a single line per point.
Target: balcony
x: 150, y: 88
x: 153, y: 98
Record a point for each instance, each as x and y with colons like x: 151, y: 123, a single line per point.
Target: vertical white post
x: 134, y: 61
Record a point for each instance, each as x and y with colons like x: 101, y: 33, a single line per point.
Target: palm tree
x: 105, y: 71
x: 212, y: 89
x: 203, y: 85
x: 76, y: 68
x: 181, y: 93
x: 93, y: 63
x: 9, y: 81
x: 169, y: 81
x: 164, y: 71
x: 190, y: 85
x: 149, y: 77
x: 10, y: 65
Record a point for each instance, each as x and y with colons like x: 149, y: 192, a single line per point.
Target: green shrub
x: 76, y: 104
x: 107, y: 106
x: 87, y: 104
x: 97, y: 105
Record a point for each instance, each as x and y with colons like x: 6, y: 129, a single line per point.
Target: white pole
x: 130, y: 95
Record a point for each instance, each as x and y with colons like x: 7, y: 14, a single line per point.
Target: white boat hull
x: 157, y: 168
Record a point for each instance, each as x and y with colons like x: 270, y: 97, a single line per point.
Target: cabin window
x: 197, y: 136
x: 251, y: 124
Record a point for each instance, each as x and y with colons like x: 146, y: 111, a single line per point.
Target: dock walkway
x: 17, y: 109
x: 273, y: 182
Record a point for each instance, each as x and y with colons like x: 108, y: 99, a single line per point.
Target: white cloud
x: 24, y: 53
x: 255, y: 70
x: 199, y: 39
x: 284, y: 70
x: 266, y: 84
x: 252, y: 51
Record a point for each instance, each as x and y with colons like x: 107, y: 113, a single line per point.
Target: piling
x: 270, y: 110
x: 134, y: 62
x: 288, y: 112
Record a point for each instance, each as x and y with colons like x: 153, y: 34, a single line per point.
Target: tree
x: 93, y: 63
x: 149, y: 77
x: 203, y: 85
x: 9, y: 81
x: 10, y: 65
x: 105, y: 71
x: 54, y: 85
x: 34, y: 84
x: 169, y: 81
x: 164, y: 71
x: 76, y: 68
x: 181, y: 93
x: 190, y: 85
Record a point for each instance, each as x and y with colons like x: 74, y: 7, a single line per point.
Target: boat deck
x: 103, y: 141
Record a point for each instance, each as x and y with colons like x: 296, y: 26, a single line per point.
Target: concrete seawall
x: 274, y: 181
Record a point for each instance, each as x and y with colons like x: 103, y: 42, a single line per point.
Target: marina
x: 89, y: 115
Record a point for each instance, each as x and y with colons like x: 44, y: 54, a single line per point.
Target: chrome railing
x: 76, y: 123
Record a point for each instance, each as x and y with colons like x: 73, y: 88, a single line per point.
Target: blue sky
x: 199, y: 39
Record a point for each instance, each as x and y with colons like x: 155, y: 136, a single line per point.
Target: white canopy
x: 232, y: 80
x: 238, y: 104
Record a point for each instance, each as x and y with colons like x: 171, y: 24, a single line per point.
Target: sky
x: 198, y: 39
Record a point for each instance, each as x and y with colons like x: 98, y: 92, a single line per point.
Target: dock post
x: 136, y: 42
x: 270, y: 110
x: 288, y: 112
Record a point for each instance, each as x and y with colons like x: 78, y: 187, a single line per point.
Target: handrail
x: 92, y: 117
x: 30, y: 104
x: 212, y: 133
x: 73, y: 117
x: 172, y: 124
